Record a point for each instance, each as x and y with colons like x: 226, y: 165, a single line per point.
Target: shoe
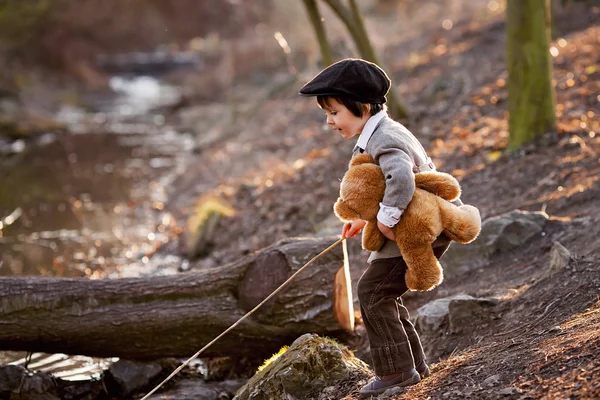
x: 376, y: 386
x: 423, y: 370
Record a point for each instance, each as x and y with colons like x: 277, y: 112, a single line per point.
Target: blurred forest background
x: 149, y: 139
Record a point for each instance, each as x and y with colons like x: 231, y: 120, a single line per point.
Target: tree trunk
x: 315, y: 19
x: 352, y: 18
x: 146, y: 318
x: 530, y: 93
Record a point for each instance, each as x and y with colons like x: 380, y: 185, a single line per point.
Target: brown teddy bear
x: 429, y: 214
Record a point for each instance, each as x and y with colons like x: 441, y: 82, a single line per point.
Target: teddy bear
x: 429, y: 214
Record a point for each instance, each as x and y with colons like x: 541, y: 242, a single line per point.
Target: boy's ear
x: 366, y: 109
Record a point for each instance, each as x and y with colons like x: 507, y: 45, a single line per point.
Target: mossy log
x: 148, y: 318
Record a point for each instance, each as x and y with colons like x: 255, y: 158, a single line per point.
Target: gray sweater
x: 400, y: 156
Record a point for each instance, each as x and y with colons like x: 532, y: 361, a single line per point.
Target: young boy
x: 352, y: 93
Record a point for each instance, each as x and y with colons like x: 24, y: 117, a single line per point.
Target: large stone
x: 132, y: 376
x: 462, y: 311
x: 437, y: 320
x: 310, y: 366
x: 498, y: 234
x: 202, y: 223
x: 560, y: 257
x: 17, y: 382
x: 10, y: 377
x: 449, y: 314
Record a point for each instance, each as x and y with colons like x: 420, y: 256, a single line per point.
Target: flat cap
x: 356, y: 79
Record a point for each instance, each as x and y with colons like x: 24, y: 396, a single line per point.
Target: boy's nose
x: 329, y: 120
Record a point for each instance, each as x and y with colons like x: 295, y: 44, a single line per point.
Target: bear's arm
x: 372, y: 238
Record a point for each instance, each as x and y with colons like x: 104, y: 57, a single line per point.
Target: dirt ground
x: 542, y: 340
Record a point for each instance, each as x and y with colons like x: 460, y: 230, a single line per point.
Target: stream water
x: 91, y: 202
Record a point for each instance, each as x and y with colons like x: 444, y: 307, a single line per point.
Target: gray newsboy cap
x: 356, y: 79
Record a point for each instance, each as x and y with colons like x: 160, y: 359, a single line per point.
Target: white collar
x: 369, y: 128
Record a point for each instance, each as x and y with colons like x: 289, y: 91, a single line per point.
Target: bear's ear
x: 361, y: 159
x: 344, y: 212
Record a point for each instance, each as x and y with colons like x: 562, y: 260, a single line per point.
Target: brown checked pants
x: 394, y: 342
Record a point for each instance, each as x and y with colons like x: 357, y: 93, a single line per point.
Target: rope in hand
x: 284, y: 284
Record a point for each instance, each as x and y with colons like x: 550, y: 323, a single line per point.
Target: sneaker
x: 423, y: 370
x: 376, y: 386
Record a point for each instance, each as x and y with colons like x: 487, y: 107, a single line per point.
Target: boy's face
x: 343, y: 121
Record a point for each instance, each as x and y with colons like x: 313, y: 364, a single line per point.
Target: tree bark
x: 315, y: 19
x: 531, y: 97
x: 148, y: 318
x: 352, y: 18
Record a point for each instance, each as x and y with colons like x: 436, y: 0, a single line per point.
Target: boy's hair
x: 355, y: 107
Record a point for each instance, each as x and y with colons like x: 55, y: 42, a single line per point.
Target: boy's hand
x: 387, y: 231
x: 353, y: 228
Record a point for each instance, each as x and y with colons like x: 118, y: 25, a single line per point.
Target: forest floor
x: 281, y: 169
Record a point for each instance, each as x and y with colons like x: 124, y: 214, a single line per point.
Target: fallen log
x: 174, y: 316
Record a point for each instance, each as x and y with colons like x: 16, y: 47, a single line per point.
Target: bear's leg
x: 461, y: 223
x: 439, y: 183
x: 424, y: 271
x: 372, y: 238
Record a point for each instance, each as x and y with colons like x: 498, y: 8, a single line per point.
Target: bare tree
x: 531, y: 97
x: 352, y: 18
x: 315, y: 19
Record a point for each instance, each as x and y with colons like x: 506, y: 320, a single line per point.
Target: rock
x: 132, y: 376
x: 507, y: 391
x: 491, y: 380
x: 436, y: 319
x: 10, y: 377
x: 432, y: 316
x: 201, y: 225
x: 462, y: 311
x: 26, y: 385
x: 310, y: 365
x: 449, y: 313
x: 498, y: 234
x: 555, y: 329
x: 559, y: 260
